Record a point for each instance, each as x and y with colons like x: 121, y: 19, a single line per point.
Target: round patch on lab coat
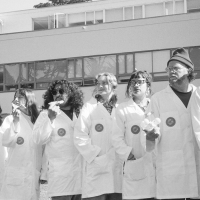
x: 61, y: 132
x: 20, y: 140
x: 99, y: 127
x: 135, y: 129
x: 170, y: 121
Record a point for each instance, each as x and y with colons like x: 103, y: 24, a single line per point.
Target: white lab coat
x: 2, y: 160
x: 195, y: 114
x: 44, y: 168
x: 21, y: 179
x: 64, y: 161
x: 102, y: 169
x: 138, y: 175
x: 175, y: 156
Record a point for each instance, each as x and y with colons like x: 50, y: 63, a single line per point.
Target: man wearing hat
x: 176, y: 173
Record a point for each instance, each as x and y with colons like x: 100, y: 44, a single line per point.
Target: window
x: 50, y: 70
x: 40, y: 23
x: 121, y: 64
x: 78, y: 68
x: 75, y: 68
x: 57, y: 20
x: 169, y: 8
x: 137, y: 12
x: 129, y: 63
x: 60, y: 20
x: 98, y: 64
x: 77, y: 19
x: 1, y: 77
x: 27, y: 72
x: 193, y: 6
x: 143, y: 61
x: 12, y: 77
x: 1, y: 26
x: 70, y: 68
x: 179, y: 6
x: 128, y: 13
x: 89, y: 18
x: 114, y: 15
x: 195, y: 57
x: 153, y: 10
x: 98, y: 17
x: 160, y: 59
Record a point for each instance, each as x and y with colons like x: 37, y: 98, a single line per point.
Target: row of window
x: 38, y: 75
x: 169, y: 7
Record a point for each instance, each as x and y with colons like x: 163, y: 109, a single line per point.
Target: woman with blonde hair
x: 92, y: 137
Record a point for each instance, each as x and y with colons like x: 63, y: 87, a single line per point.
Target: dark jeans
x: 67, y: 197
x: 113, y: 196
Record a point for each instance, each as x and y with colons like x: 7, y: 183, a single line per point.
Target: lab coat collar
x: 94, y: 102
x: 177, y: 100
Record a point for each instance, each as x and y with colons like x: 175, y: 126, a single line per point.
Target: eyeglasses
x: 60, y: 91
x: 138, y: 82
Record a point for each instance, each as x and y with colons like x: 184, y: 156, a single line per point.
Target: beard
x: 177, y: 80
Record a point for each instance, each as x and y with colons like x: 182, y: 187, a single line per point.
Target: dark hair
x: 75, y: 95
x: 191, y: 75
x: 139, y: 74
x: 30, y: 103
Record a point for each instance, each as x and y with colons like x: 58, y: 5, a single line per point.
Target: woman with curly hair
x: 21, y: 178
x: 54, y: 127
x: 92, y: 137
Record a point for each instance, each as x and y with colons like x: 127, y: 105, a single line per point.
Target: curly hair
x: 75, y: 95
x: 110, y: 78
x: 30, y: 102
x: 138, y: 74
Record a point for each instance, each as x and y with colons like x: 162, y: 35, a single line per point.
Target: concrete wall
x: 127, y: 36
x: 20, y: 21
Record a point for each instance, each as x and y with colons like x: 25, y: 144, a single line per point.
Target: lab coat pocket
x: 135, y: 169
x: 173, y: 163
x: 15, y: 177
x: 170, y: 120
x: 62, y: 167
x: 101, y: 165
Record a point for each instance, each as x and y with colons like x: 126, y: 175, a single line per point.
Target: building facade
x: 77, y: 41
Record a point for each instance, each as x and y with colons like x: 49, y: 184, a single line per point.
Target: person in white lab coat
x: 2, y: 160
x: 138, y: 172
x: 102, y: 169
x: 176, y: 173
x: 54, y: 127
x: 2, y: 153
x: 21, y: 178
x: 195, y: 114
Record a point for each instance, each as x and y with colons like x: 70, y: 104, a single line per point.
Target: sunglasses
x: 60, y: 91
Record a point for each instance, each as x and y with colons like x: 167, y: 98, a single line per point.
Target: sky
x: 14, y: 5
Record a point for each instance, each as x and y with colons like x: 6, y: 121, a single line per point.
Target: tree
x: 58, y: 2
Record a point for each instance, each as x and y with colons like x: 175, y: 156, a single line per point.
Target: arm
x: 195, y: 114
x: 42, y: 128
x: 9, y: 132
x: 82, y: 139
x: 152, y: 137
x: 118, y: 137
